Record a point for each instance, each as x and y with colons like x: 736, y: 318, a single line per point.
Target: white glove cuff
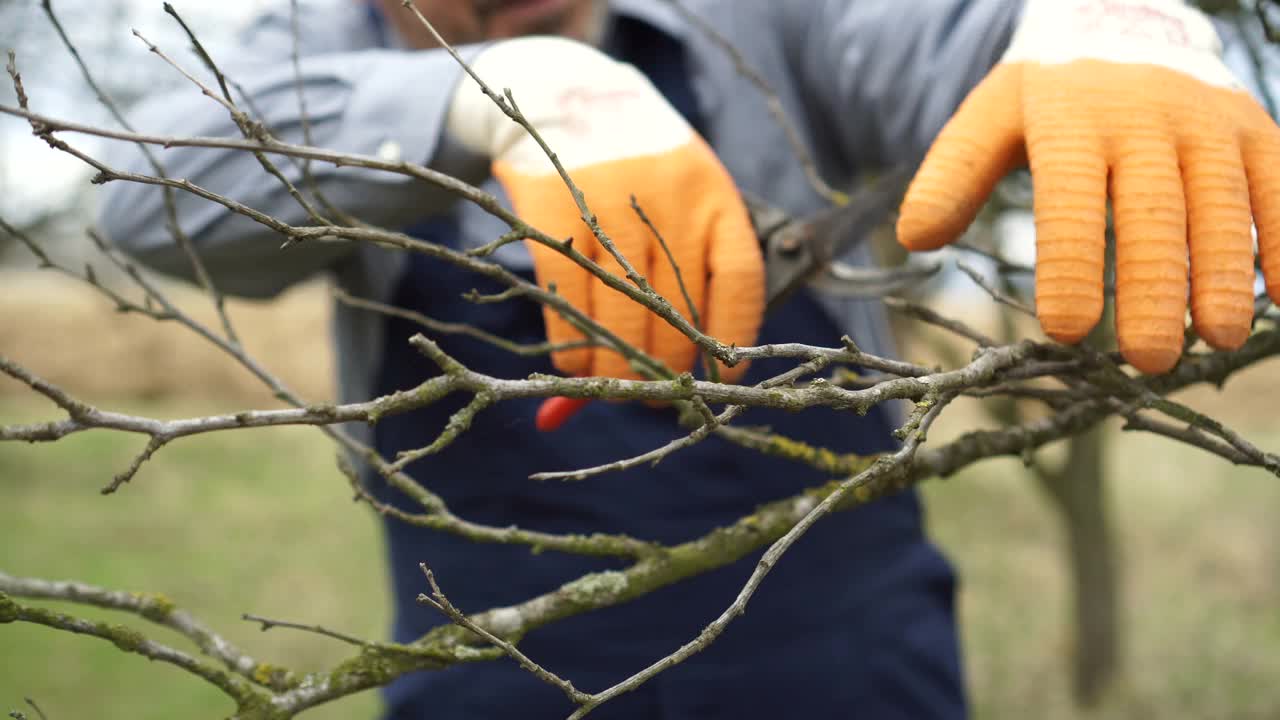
x: 588, y: 107
x: 1168, y: 33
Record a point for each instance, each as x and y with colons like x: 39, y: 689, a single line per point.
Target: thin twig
x: 713, y: 370
x: 439, y: 601
x: 32, y: 703
x: 458, y: 423
x: 994, y: 292
x: 452, y: 328
x: 932, y: 317
x: 772, y: 101
x: 1003, y: 264
x: 268, y: 624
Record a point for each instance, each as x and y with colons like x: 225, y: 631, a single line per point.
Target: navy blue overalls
x: 856, y: 621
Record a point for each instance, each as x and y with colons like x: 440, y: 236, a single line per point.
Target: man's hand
x: 1130, y: 96
x: 617, y: 137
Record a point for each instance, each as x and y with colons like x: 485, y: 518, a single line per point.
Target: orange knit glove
x: 1129, y: 96
x: 617, y: 137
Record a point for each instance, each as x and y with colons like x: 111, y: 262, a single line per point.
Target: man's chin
x: 545, y: 25
x: 517, y: 18
x: 522, y: 17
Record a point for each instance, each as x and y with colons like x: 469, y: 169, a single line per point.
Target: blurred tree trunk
x: 1078, y: 491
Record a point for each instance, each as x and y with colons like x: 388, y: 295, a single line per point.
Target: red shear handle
x: 556, y: 411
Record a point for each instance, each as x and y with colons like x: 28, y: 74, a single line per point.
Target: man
x: 858, y: 619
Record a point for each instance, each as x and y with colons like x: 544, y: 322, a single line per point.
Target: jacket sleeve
x: 385, y: 103
x: 889, y: 74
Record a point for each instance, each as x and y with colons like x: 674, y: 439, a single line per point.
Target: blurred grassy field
x: 257, y: 523
x: 1201, y: 592
x: 261, y: 522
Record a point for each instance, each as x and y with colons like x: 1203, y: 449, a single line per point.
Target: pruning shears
x: 800, y: 251
x: 807, y: 251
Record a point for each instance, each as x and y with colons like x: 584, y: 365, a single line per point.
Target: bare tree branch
x: 157, y: 609
x: 132, y: 641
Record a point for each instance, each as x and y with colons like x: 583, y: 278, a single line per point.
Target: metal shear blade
x: 801, y: 251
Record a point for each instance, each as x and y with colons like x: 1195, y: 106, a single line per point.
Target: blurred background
x: 1120, y: 576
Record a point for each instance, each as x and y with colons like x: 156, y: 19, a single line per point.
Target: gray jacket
x: 868, y: 83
